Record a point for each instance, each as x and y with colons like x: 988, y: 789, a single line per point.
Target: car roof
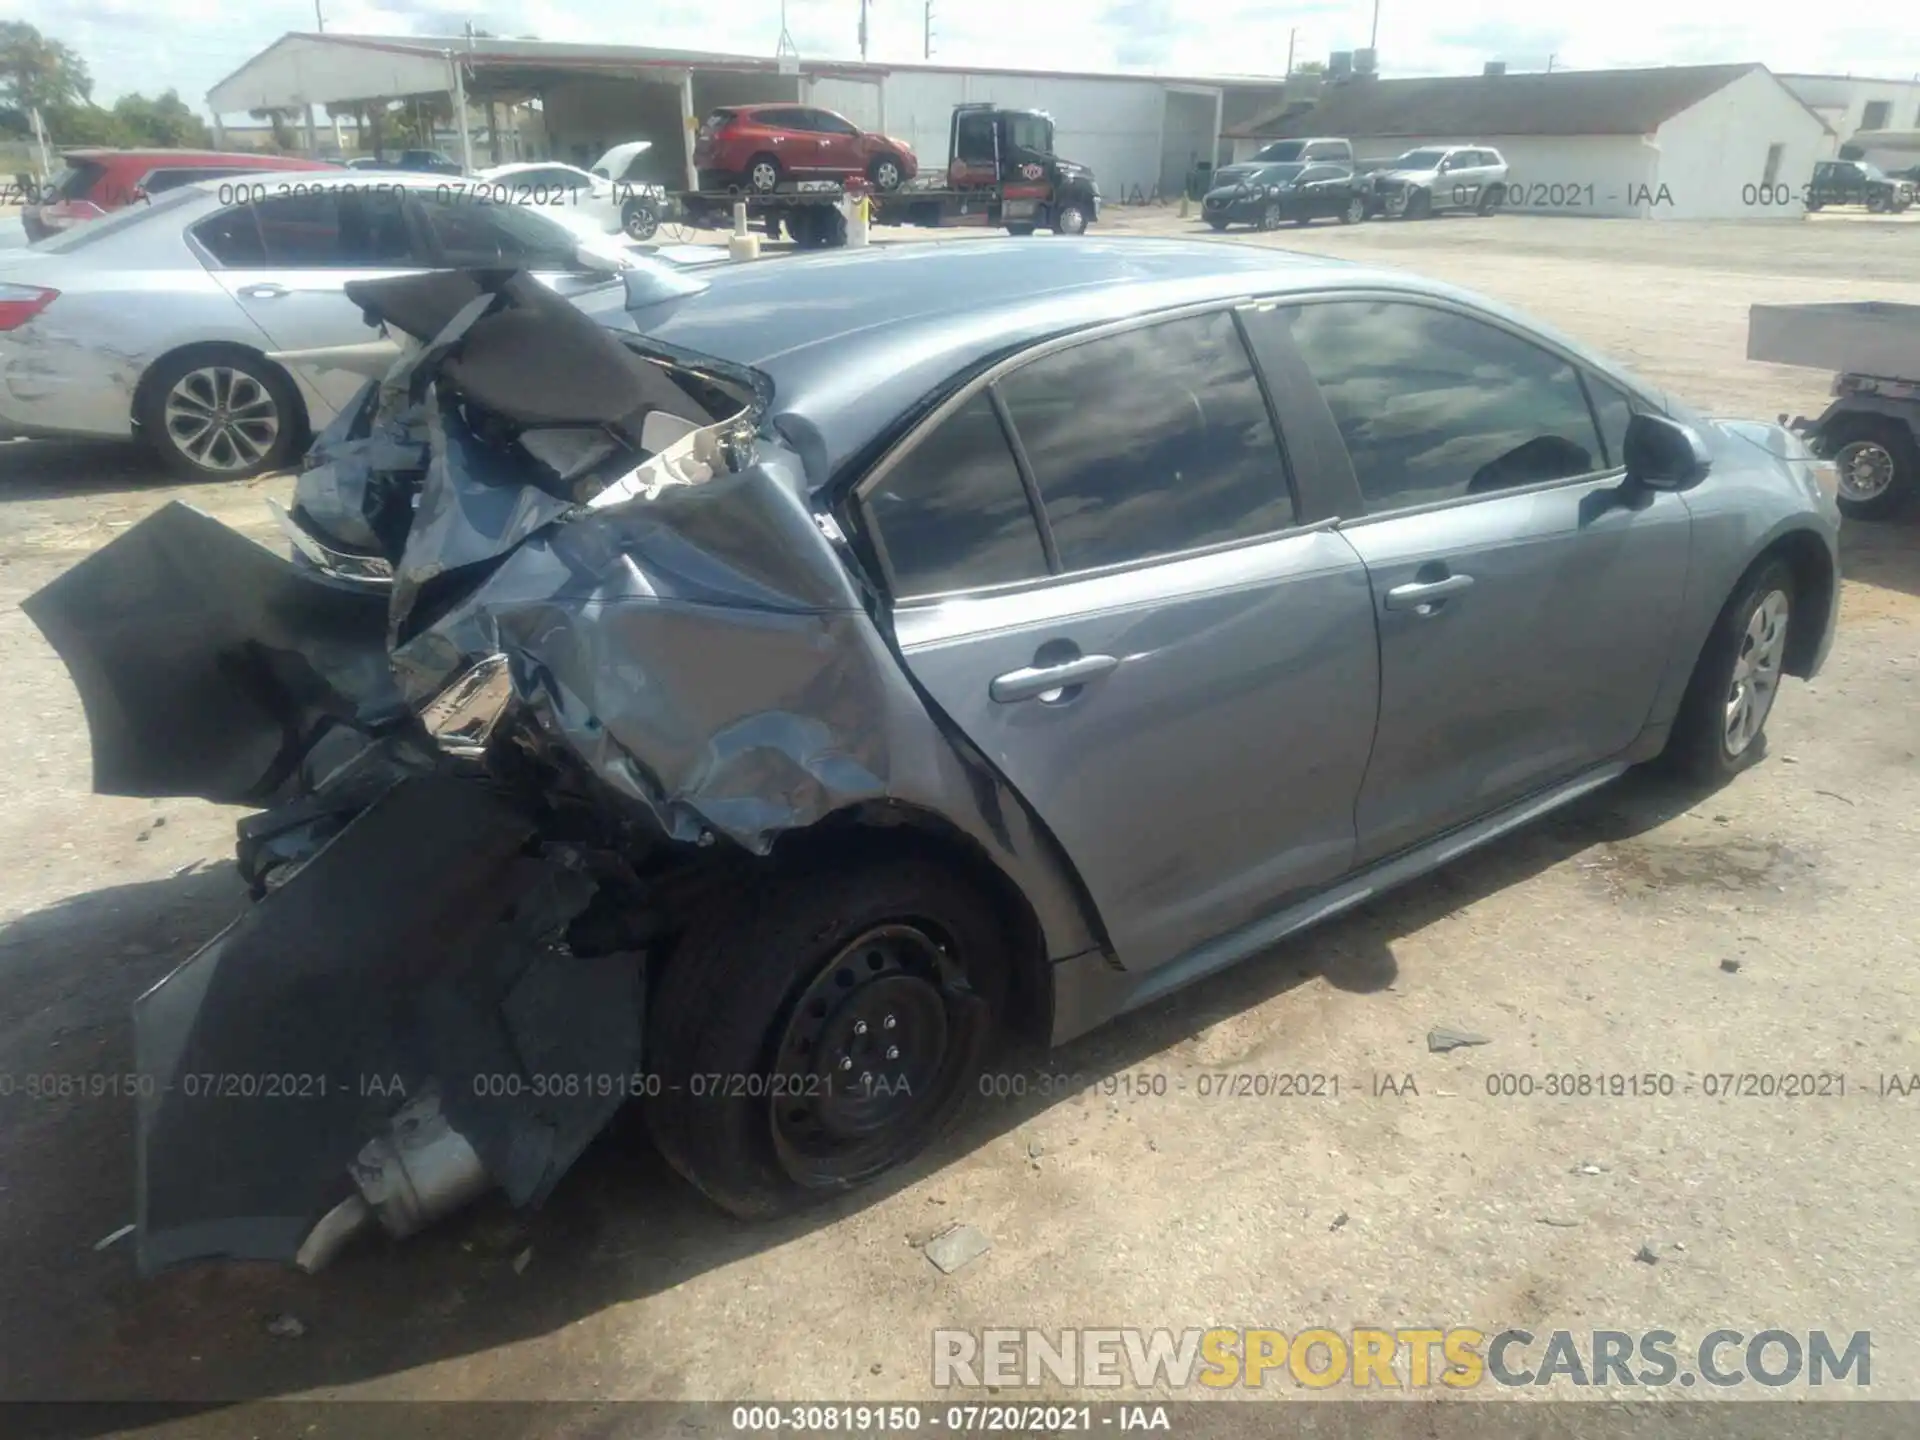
x: 340, y: 176
x: 856, y: 342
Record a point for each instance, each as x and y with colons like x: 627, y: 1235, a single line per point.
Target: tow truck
x: 1001, y: 173
x: 1871, y: 430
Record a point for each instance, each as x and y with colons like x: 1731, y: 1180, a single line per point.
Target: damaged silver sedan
x: 754, y: 694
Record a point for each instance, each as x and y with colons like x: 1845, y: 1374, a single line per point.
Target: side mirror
x: 1663, y: 454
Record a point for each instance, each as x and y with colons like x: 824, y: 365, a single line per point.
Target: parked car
x: 97, y: 181
x: 803, y: 678
x: 1426, y: 181
x: 1855, y: 182
x: 1328, y: 148
x: 156, y: 322
x: 1268, y: 195
x: 428, y: 162
x: 573, y: 196
x: 760, y: 147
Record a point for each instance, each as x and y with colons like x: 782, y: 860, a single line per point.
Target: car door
x: 841, y: 153
x: 1321, y: 190
x: 1524, y: 595
x: 1101, y: 577
x: 286, y: 259
x: 799, y: 144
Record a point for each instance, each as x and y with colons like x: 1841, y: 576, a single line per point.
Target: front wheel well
x: 1813, y: 583
x: 143, y: 392
x: 883, y: 830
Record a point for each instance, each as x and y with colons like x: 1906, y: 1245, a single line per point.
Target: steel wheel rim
x: 886, y: 175
x: 221, y: 418
x: 872, y: 1051
x: 1866, y: 469
x: 1356, y: 211
x: 1756, y: 672
x: 1072, y: 222
x: 641, y: 223
x: 763, y: 176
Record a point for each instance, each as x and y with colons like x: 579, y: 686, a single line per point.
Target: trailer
x: 1871, y: 430
x: 1001, y: 173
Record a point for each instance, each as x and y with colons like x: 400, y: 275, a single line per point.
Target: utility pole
x: 926, y: 45
x: 1373, y: 40
x: 318, y: 19
x: 863, y: 29
x: 1290, y: 38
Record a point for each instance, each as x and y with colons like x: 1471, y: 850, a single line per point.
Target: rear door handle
x: 1039, y: 679
x: 263, y: 292
x: 1425, y: 595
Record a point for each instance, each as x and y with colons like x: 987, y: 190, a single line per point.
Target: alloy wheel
x: 1356, y: 211
x: 1866, y: 470
x: 1756, y: 672
x: 887, y: 175
x: 764, y: 176
x: 221, y: 418
x: 1071, y: 221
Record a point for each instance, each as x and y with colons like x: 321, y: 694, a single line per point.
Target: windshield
x: 1282, y: 150
x: 115, y: 220
x: 1030, y: 132
x: 1420, y: 160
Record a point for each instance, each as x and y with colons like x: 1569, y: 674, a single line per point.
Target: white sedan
x: 577, y: 198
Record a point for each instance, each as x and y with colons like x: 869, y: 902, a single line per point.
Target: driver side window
x: 1435, y: 405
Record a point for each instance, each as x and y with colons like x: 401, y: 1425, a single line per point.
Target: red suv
x: 761, y: 146
x: 96, y: 181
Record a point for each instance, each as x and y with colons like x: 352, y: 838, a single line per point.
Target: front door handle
x: 263, y: 292
x: 1425, y: 595
x: 1035, y: 680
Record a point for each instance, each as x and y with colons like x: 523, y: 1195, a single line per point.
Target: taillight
x: 20, y: 303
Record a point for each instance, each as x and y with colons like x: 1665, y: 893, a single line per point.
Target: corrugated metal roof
x: 1561, y: 102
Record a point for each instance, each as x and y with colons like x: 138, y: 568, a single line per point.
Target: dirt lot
x: 1594, y: 942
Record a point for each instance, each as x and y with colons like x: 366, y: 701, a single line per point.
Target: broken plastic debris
x: 1442, y: 1040
x: 956, y: 1246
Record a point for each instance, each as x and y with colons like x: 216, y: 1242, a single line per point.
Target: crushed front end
x: 557, y: 633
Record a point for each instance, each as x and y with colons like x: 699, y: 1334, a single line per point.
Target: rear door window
x: 953, y: 513
x: 1150, y: 442
x: 467, y: 231
x: 1435, y: 405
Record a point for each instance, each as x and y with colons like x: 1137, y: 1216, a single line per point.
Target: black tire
x: 1698, y: 750
x: 1217, y: 224
x: 762, y: 175
x: 1021, y: 229
x: 246, y: 449
x: 883, y: 165
x: 639, y: 220
x: 753, y: 984
x: 1419, y: 205
x: 1813, y: 205
x: 1874, y: 443
x: 1878, y: 204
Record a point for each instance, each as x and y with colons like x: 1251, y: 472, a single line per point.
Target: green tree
x: 1311, y: 67
x: 164, y: 121
x: 282, y: 123
x: 39, y: 73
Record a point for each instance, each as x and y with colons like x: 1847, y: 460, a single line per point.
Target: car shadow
x: 1885, y: 553
x: 62, y: 469
x: 77, y: 1323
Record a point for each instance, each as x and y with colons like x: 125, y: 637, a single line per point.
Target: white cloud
x: 151, y: 45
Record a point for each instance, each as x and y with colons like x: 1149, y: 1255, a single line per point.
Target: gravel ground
x: 1598, y: 941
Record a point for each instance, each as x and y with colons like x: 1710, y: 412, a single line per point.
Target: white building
x: 1141, y: 135
x: 1677, y: 143
x: 1876, y: 120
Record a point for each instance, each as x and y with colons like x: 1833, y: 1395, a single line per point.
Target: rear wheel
x: 639, y: 220
x: 1355, y: 212
x: 1721, y: 729
x: 763, y: 174
x: 220, y: 413
x: 885, y: 172
x: 1879, y: 465
x: 824, y: 1031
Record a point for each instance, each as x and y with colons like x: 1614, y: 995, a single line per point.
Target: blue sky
x: 151, y: 45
